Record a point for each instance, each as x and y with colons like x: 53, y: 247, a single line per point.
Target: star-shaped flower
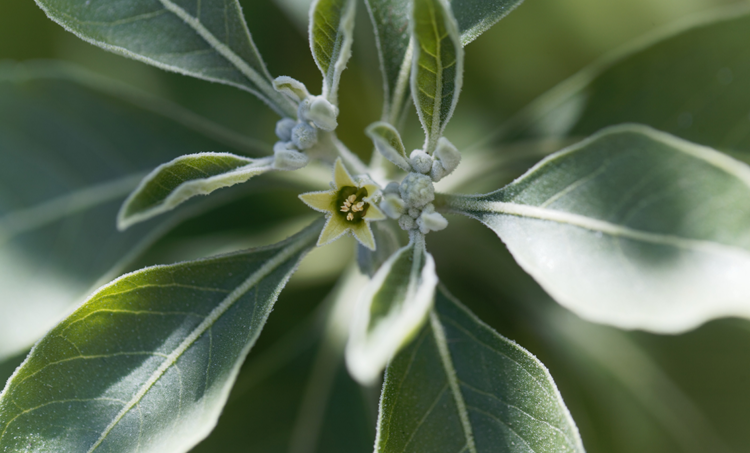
x: 348, y: 206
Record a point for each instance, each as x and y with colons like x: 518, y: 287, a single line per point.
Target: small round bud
x: 323, y: 114
x: 420, y: 161
x: 392, y: 206
x: 431, y: 221
x: 448, y: 155
x: 284, y: 129
x: 303, y: 110
x: 417, y: 190
x: 288, y: 158
x: 304, y: 136
x: 414, y: 213
x: 438, y: 172
x: 392, y: 187
x: 407, y: 223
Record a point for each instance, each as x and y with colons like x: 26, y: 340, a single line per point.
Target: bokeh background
x: 627, y: 391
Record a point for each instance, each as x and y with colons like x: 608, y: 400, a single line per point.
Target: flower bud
x: 284, y: 129
x: 287, y: 158
x: 392, y: 206
x: 292, y: 88
x: 323, y: 114
x: 420, y: 161
x: 449, y: 158
x: 417, y: 190
x: 407, y: 223
x: 304, y: 136
x: 431, y: 221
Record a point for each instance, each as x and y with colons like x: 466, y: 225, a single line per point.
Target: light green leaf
x: 461, y: 387
x: 691, y: 81
x: 146, y: 364
x: 391, y: 309
x: 331, y: 38
x: 84, y: 142
x: 173, y: 183
x: 388, y: 142
x: 475, y: 17
x: 208, y: 39
x: 632, y: 227
x: 437, y: 66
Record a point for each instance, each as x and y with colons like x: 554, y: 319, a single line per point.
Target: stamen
x: 351, y: 199
x: 359, y: 206
x: 350, y: 217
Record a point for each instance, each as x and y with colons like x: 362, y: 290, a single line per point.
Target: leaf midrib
x: 295, y: 247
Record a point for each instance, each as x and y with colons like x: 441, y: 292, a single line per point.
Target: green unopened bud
x: 323, y: 114
x: 287, y: 158
x: 417, y: 190
x: 449, y: 158
x: 284, y: 129
x: 292, y: 88
x: 407, y: 223
x: 304, y: 136
x: 420, y: 161
x: 392, y: 206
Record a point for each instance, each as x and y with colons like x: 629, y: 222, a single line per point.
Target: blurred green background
x: 628, y: 392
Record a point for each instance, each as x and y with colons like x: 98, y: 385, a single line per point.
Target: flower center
x: 351, y: 204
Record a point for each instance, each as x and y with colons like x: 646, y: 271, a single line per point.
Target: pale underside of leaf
x: 175, y: 182
x: 632, y: 227
x: 159, y: 385
x: 461, y: 387
x: 199, y: 51
x: 437, y: 67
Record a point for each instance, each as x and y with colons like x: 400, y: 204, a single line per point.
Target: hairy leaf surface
x: 461, y: 387
x: 437, y: 66
x: 388, y: 142
x: 74, y: 146
x: 391, y: 310
x: 208, y: 39
x: 474, y: 17
x: 331, y: 38
x: 693, y: 83
x: 632, y: 227
x: 147, y: 362
x: 173, y: 183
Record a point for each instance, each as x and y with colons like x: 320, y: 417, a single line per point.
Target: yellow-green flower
x: 348, y: 207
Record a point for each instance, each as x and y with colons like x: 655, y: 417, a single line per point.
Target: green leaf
x: 148, y: 361
x: 461, y: 387
x: 693, y: 82
x: 391, y: 309
x: 208, y: 39
x: 74, y: 146
x: 173, y: 183
x: 331, y: 38
x: 474, y: 17
x: 388, y: 142
x: 632, y: 227
x: 437, y: 66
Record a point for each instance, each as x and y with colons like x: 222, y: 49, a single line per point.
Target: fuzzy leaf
x: 85, y: 142
x: 173, y: 183
x: 331, y: 38
x: 437, y: 66
x: 147, y: 362
x: 632, y: 227
x: 474, y: 17
x: 692, y: 82
x: 461, y: 387
x: 391, y: 310
x: 388, y: 142
x: 208, y: 39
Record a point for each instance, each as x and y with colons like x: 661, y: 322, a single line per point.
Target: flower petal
x: 341, y: 176
x: 335, y: 227
x: 320, y: 201
x: 374, y: 213
x: 363, y: 233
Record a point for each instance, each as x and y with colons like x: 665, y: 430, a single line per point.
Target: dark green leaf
x: 147, y: 362
x: 437, y: 66
x: 474, y: 17
x: 73, y: 147
x: 632, y: 227
x: 461, y: 387
x: 208, y: 39
x: 694, y: 83
x: 331, y: 37
x: 173, y: 183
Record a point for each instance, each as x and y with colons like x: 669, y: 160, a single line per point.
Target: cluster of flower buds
x: 295, y: 136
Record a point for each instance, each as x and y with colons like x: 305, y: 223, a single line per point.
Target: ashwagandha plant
x: 628, y: 226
